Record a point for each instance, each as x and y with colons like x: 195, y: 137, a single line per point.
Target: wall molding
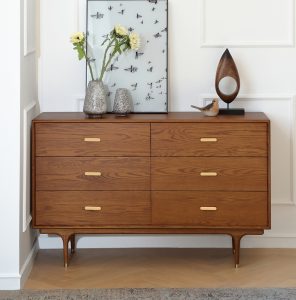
x: 10, y: 281
x: 15, y: 281
x: 28, y: 48
x: 206, y: 98
x: 29, y: 113
x: 250, y: 44
x: 28, y: 264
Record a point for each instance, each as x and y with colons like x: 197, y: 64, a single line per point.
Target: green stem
x: 109, y: 61
x: 90, y: 69
x: 104, y: 68
x: 89, y: 64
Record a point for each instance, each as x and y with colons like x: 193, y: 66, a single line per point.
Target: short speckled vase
x: 123, y: 104
x: 95, y: 103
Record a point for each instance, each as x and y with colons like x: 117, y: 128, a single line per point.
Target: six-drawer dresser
x: 176, y: 173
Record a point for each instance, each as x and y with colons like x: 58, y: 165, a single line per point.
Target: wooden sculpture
x: 228, y: 70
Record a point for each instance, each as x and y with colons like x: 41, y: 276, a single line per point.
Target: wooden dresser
x: 180, y: 173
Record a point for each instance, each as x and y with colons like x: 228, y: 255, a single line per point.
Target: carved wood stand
x: 69, y: 236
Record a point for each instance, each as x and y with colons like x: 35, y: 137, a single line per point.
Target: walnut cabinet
x: 179, y: 173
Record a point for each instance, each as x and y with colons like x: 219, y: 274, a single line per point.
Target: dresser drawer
x: 214, y: 209
x: 92, y: 208
x: 87, y: 139
x: 206, y: 139
x: 92, y: 173
x: 209, y: 174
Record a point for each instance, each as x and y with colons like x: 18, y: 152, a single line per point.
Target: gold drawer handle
x: 92, y: 140
x: 214, y: 208
x: 95, y: 174
x: 92, y: 208
x: 209, y: 140
x: 208, y: 174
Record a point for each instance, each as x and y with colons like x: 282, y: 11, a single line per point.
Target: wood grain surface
x: 172, y: 117
x: 249, y: 139
x: 68, y: 173
x: 144, y: 174
x: 234, y: 209
x: 233, y: 173
x: 68, y: 208
x: 60, y: 139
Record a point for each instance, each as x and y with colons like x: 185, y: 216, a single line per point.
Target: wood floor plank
x: 164, y: 268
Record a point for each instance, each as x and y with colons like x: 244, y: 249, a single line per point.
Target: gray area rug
x: 151, y: 294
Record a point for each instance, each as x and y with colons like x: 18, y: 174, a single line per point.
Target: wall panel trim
x: 251, y: 44
x: 205, y: 98
x: 27, y: 217
x: 28, y: 49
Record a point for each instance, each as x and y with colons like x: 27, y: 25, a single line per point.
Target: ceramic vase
x: 95, y: 103
x: 123, y: 102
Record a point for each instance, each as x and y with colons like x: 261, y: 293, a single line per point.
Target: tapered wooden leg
x: 236, y: 239
x: 66, y: 239
x: 233, y: 247
x: 73, y: 243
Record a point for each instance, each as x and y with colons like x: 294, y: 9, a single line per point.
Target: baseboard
x: 16, y: 281
x: 172, y: 241
x: 28, y: 264
x: 10, y: 282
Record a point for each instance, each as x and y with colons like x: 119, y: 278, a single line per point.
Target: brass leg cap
x: 237, y: 266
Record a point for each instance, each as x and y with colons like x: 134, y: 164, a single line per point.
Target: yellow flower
x: 120, y: 30
x: 134, y: 40
x: 77, y: 37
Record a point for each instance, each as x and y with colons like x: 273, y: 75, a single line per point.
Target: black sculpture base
x: 232, y: 111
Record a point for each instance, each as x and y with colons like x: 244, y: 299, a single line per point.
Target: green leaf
x: 107, y: 39
x: 125, y: 48
x: 81, y: 53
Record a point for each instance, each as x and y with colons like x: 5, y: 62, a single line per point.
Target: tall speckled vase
x: 123, y: 103
x: 95, y: 103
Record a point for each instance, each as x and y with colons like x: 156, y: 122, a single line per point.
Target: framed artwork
x: 144, y: 72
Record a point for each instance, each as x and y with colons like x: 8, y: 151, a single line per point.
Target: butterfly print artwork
x: 98, y: 16
x: 143, y: 71
x: 112, y: 68
x: 138, y: 54
x: 131, y: 69
x: 135, y: 85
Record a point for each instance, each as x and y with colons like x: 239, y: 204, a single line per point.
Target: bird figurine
x: 211, y: 110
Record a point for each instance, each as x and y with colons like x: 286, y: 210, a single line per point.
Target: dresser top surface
x: 174, y: 117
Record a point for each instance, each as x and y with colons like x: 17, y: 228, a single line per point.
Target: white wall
x: 10, y: 144
x: 18, y: 88
x: 29, y: 108
x: 261, y: 37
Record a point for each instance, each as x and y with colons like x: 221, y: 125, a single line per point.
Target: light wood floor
x: 164, y: 268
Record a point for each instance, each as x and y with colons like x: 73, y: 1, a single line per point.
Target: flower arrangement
x: 79, y: 43
x: 117, y: 42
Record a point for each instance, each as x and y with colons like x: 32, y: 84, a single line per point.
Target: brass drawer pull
x: 92, y: 208
x: 92, y: 140
x: 209, y: 140
x: 208, y: 208
x: 95, y: 174
x: 208, y: 174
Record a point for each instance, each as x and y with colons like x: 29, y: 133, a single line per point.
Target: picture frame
x: 143, y: 72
